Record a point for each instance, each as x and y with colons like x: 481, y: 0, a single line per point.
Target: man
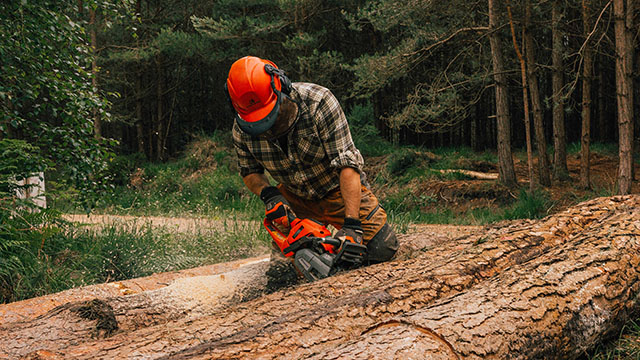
x: 299, y: 133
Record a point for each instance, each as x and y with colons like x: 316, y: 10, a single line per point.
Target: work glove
x: 351, y: 231
x: 277, y: 209
x: 353, y: 251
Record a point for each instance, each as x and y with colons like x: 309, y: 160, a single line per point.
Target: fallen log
x: 556, y: 306
x: 470, y: 173
x: 29, y: 309
x: 104, y: 309
x: 185, y: 298
x: 314, y: 319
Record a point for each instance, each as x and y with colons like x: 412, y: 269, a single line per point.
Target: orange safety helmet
x: 255, y: 88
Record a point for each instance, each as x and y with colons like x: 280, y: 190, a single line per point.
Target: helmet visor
x: 261, y: 120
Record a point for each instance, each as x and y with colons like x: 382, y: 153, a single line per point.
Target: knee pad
x: 383, y: 246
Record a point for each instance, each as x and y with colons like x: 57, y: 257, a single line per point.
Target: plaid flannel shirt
x: 319, y: 145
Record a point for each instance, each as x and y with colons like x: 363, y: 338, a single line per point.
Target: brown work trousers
x: 330, y: 210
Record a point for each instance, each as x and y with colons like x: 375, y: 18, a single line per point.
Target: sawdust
x: 206, y: 294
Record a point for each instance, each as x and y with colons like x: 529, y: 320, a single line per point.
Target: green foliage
x: 203, y: 182
x: 462, y: 158
x: 409, y: 207
x: 122, y: 166
x: 24, y: 233
x: 46, y: 95
x: 18, y: 160
x: 437, y: 71
x: 364, y: 132
x: 401, y: 161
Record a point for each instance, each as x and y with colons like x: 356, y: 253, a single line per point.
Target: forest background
x: 436, y: 73
x: 102, y: 96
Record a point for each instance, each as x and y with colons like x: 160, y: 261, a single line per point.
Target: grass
x: 406, y: 207
x: 608, y: 149
x: 83, y: 255
x: 625, y: 347
x: 203, y: 182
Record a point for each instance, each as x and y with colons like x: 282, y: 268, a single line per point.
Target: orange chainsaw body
x: 299, y: 228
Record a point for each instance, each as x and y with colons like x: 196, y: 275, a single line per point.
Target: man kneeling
x: 300, y: 135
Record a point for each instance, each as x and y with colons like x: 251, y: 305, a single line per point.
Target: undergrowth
x: 64, y: 256
x: 426, y: 209
x: 203, y: 182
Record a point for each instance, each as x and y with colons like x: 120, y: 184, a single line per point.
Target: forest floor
x: 462, y: 195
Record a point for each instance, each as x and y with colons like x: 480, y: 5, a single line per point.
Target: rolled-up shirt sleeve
x: 335, y: 135
x: 247, y: 163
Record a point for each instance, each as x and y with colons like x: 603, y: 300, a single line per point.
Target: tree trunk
x: 473, y: 133
x: 505, y: 158
x: 507, y: 292
x: 587, y: 73
x: 624, y: 90
x: 97, y: 122
x: 138, y: 92
x: 525, y: 100
x: 160, y: 108
x: 139, y: 116
x: 536, y: 105
x: 560, y: 170
x: 603, y: 119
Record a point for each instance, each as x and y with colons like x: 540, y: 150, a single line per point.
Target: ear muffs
x: 284, y: 80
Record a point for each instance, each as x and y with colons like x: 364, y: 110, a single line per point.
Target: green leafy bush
x: 23, y: 231
x: 365, y: 135
x: 401, y: 161
x: 46, y: 92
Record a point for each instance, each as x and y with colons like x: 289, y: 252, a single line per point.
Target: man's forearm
x: 351, y: 191
x: 256, y: 182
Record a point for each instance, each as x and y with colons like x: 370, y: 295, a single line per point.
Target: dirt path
x: 177, y: 224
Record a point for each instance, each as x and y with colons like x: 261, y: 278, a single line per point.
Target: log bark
x: 472, y: 174
x: 529, y: 289
x: 556, y: 306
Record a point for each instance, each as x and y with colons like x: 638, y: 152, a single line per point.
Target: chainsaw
x: 316, y: 253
